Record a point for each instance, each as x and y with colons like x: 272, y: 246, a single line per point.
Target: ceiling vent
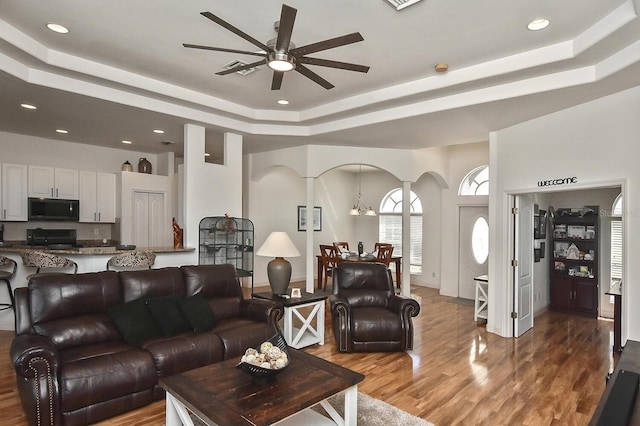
x: 239, y: 63
x: 401, y: 4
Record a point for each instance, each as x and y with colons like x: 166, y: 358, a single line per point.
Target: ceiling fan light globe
x: 281, y: 61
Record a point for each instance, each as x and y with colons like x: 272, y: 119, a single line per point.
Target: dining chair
x: 377, y: 246
x: 385, y: 253
x: 341, y: 246
x: 132, y: 260
x: 48, y: 261
x: 329, y: 258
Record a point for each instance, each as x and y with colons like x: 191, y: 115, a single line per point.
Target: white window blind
x: 616, y: 249
x: 391, y: 232
x: 390, y: 227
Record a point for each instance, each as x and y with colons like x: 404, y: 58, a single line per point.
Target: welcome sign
x: 560, y: 181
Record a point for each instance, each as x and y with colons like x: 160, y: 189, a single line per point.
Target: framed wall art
x: 302, y: 218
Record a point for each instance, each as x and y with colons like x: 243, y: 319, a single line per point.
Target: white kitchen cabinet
x: 13, y: 188
x: 149, y: 222
x: 97, y: 194
x: 50, y: 182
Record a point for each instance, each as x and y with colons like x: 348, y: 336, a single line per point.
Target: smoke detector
x: 239, y: 63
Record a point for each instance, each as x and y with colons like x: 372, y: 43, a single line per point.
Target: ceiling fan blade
x: 242, y: 67
x: 235, y: 30
x: 333, y: 64
x: 313, y: 76
x: 276, y: 83
x: 221, y: 49
x: 285, y: 28
x: 327, y: 44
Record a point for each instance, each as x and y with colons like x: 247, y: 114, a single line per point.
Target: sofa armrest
x: 263, y: 311
x: 36, y: 363
x: 29, y: 348
x: 341, y: 315
x: 404, y: 306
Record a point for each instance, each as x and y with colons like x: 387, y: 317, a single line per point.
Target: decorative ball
x: 265, y: 346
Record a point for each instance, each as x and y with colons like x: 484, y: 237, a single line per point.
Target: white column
x: 406, y: 239
x: 311, y: 258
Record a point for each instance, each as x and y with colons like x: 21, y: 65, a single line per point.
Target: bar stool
x: 132, y: 260
x: 7, y: 272
x: 43, y: 260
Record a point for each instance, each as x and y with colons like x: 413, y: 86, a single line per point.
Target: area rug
x: 371, y: 412
x: 461, y: 301
x: 374, y: 412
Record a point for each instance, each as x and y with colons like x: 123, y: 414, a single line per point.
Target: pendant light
x: 358, y: 207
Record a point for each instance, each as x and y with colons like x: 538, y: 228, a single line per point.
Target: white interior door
x: 474, y: 248
x: 523, y: 270
x: 149, y: 221
x: 141, y: 219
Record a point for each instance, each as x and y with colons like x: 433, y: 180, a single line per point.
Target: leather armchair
x: 367, y: 316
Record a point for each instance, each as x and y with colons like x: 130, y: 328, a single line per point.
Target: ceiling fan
x: 281, y: 55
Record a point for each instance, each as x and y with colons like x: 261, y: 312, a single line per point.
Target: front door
x: 474, y: 248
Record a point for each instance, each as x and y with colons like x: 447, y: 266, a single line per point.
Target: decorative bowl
x: 262, y: 373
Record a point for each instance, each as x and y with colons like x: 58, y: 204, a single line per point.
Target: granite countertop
x: 20, y: 246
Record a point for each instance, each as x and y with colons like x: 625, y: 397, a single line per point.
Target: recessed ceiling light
x: 28, y: 106
x: 283, y: 102
x: 538, y: 24
x: 127, y: 142
x: 158, y: 131
x: 62, y: 131
x: 206, y: 154
x: 58, y: 28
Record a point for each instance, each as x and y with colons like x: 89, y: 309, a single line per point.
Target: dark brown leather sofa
x: 366, y: 314
x: 73, y: 365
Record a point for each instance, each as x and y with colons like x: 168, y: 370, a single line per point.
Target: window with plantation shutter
x: 390, y: 227
x: 616, y: 239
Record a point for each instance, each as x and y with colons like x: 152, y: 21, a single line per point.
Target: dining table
x: 355, y: 257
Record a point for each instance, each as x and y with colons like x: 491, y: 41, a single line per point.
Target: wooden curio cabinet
x: 574, y: 274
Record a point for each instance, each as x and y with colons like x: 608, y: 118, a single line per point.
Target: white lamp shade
x: 278, y: 244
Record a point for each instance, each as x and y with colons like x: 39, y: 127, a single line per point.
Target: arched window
x: 616, y: 210
x: 390, y: 229
x: 476, y: 182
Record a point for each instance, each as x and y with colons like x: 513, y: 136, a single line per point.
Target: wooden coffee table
x: 224, y: 395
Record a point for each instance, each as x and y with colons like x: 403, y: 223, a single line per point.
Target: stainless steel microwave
x: 54, y: 209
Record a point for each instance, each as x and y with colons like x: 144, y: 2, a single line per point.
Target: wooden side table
x: 306, y: 311
x: 482, y: 297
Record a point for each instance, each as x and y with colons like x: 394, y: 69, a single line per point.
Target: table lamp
x: 278, y: 245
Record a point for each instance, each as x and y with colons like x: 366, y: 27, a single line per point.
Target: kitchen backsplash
x: 17, y: 231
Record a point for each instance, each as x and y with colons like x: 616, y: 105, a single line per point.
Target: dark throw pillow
x: 167, y: 314
x: 134, y: 321
x: 197, y: 311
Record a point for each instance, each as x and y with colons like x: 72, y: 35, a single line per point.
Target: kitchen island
x: 89, y: 259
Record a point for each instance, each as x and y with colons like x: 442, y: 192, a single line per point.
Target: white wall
x: 22, y: 149
x: 209, y: 189
x: 29, y: 150
x: 275, y: 187
x: 597, y: 143
x: 462, y: 159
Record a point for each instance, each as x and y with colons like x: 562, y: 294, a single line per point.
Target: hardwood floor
x: 457, y: 373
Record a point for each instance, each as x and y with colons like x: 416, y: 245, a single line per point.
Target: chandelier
x: 359, y: 206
